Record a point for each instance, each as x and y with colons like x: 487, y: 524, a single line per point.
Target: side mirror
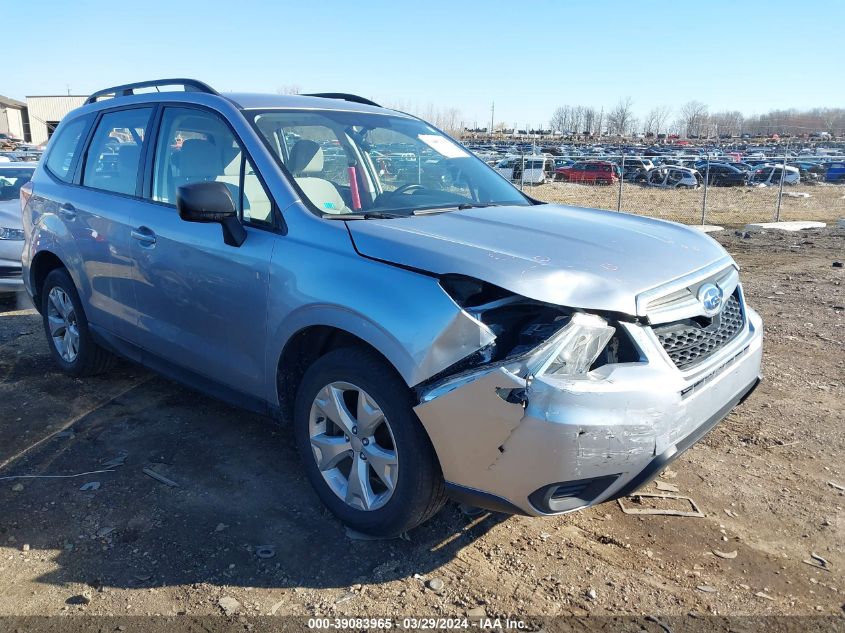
x: 211, y: 202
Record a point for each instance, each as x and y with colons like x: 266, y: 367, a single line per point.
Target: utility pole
x: 492, y: 118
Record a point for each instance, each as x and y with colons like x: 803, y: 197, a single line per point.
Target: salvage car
x: 505, y: 167
x: 13, y: 176
x: 590, y: 172
x: 670, y: 177
x: 438, y: 334
x: 770, y: 176
x: 835, y: 172
x: 722, y: 174
x: 533, y: 170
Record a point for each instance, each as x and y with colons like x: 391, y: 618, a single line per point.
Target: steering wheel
x: 408, y: 188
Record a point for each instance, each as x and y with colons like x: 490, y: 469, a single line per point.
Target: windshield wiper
x: 458, y: 207
x: 367, y: 215
x: 475, y: 205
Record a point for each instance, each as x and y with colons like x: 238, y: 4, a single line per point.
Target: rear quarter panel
x: 46, y: 232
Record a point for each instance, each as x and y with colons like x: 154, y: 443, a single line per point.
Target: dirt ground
x: 725, y: 205
x: 770, y: 481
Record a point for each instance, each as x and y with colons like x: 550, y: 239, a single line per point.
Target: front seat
x: 126, y: 178
x: 199, y: 161
x: 305, y: 163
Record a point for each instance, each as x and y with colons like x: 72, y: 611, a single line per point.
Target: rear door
x: 96, y: 215
x: 201, y: 304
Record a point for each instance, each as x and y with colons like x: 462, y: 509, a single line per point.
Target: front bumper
x: 567, y: 444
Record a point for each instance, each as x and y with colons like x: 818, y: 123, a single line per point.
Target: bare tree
x: 650, y: 123
x: 619, y: 119
x: 446, y: 118
x: 693, y: 117
x: 288, y: 89
x: 728, y: 122
x: 589, y: 121
x: 577, y: 119
x: 663, y: 113
x: 560, y: 119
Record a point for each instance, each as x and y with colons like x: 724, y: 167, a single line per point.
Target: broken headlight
x: 534, y: 338
x: 574, y: 348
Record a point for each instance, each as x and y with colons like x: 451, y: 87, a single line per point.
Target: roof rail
x: 190, y: 85
x: 343, y: 96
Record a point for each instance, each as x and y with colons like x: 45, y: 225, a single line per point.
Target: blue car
x: 423, y: 332
x: 835, y: 173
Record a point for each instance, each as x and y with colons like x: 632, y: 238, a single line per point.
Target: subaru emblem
x: 710, y: 297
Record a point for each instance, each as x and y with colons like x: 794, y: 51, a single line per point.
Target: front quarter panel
x: 405, y: 315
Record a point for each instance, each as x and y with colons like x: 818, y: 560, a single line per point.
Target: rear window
x: 114, y: 154
x: 63, y: 148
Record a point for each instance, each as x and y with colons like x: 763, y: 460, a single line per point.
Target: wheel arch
x: 311, y: 342
x: 43, y: 263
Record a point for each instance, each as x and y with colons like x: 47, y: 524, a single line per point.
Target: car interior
x: 196, y: 147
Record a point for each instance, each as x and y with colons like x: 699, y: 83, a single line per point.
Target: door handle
x: 143, y: 235
x: 67, y: 211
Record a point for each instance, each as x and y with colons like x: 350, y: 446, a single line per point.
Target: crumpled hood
x: 580, y: 258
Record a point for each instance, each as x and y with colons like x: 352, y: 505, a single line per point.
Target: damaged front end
x: 562, y: 410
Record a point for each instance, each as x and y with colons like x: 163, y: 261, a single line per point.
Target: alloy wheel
x: 353, y: 446
x: 63, y: 324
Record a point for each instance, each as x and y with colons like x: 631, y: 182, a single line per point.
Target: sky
x: 528, y: 57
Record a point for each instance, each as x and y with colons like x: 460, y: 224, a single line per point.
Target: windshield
x: 11, y: 181
x: 359, y: 163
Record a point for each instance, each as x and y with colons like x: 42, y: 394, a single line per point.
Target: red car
x: 592, y: 172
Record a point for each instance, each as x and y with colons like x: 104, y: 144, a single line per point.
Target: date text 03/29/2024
x: 417, y: 624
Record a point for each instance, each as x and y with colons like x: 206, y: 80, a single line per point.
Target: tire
x: 418, y: 490
x: 89, y: 358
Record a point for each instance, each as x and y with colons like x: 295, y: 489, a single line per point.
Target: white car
x: 12, y: 177
x: 505, y: 168
x: 537, y: 169
x: 769, y: 175
x: 671, y: 177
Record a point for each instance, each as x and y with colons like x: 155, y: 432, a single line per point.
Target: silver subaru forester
x: 426, y: 328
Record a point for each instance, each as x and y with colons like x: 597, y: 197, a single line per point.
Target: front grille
x: 9, y: 271
x: 692, y: 341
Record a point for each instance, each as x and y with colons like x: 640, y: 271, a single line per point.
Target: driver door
x: 202, y: 304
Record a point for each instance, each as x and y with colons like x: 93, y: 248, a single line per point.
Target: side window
x: 197, y: 146
x: 112, y: 159
x: 194, y: 146
x: 63, y: 148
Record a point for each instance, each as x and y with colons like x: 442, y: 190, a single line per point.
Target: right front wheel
x: 363, y: 449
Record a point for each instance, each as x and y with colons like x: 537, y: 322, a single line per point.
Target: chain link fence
x: 689, y: 189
